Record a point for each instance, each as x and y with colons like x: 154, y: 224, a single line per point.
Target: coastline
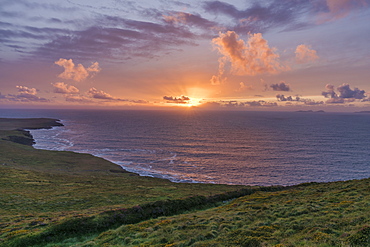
x: 17, y: 129
x: 51, y: 197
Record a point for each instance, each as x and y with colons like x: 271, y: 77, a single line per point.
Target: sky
x: 149, y: 54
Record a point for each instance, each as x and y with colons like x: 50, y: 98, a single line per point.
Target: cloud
x: 76, y: 73
x: 305, y: 55
x: 180, y: 100
x: 262, y: 16
x: 244, y: 87
x: 63, y: 88
x: 115, y: 39
x: 280, y: 86
x: 188, y: 19
x: 237, y: 104
x: 259, y: 103
x: 330, y: 91
x: 311, y: 102
x: 251, y: 58
x: 26, y: 90
x: 337, y: 9
x: 346, y: 94
x: 78, y: 99
x: 281, y: 97
x: 25, y: 94
x: 99, y: 94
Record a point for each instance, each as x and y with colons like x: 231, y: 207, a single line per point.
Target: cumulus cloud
x: 259, y: 103
x: 346, y: 94
x: 282, y: 86
x: 220, y: 78
x: 304, y: 54
x: 25, y: 94
x: 250, y: 58
x: 281, y: 97
x: 330, y: 91
x: 178, y: 100
x: 26, y: 90
x: 99, y: 94
x: 76, y: 72
x: 78, y: 99
x: 63, y: 88
x: 244, y: 87
x: 217, y: 80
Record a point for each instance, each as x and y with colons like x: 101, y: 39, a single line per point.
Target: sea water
x: 230, y: 147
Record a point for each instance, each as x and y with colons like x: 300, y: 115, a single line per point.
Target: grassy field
x: 323, y: 214
x: 53, y: 198
x: 39, y: 188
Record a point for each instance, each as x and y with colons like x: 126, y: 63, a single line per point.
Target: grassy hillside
x: 52, y: 198
x: 317, y: 214
x: 40, y: 189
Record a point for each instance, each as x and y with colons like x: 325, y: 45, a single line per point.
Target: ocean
x: 228, y: 147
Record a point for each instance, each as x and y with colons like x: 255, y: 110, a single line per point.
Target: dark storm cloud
x: 282, y: 86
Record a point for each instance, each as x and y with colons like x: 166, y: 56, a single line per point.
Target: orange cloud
x: 304, y: 54
x: 99, y: 94
x: 26, y: 90
x: 61, y: 87
x: 76, y: 73
x: 251, y: 58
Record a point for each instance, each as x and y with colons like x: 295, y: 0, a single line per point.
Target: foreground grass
x: 317, y: 214
x: 39, y: 188
x: 66, y: 199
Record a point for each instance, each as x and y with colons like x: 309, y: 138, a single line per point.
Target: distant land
x: 363, y: 112
x: 310, y: 111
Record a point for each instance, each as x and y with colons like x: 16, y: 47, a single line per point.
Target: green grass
x: 40, y: 189
x: 323, y: 214
x: 50, y: 198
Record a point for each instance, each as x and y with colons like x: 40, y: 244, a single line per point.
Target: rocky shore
x: 17, y: 128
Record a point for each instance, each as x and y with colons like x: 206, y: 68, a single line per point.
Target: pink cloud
x: 99, y: 94
x: 247, y: 58
x: 76, y: 72
x: 25, y: 94
x: 26, y: 90
x: 340, y: 9
x: 304, y: 54
x: 61, y: 87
